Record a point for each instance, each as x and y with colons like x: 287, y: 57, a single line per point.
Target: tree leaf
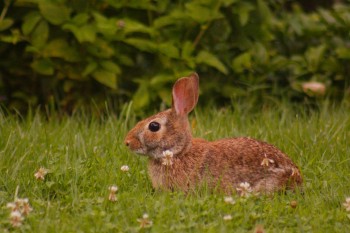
x: 202, y: 13
x: 40, y: 34
x: 211, y: 60
x: 5, y: 24
x: 85, y: 33
x: 60, y: 48
x: 101, y: 48
x: 105, y: 25
x: 105, y: 77
x: 54, y: 13
x: 30, y: 21
x: 43, y: 66
x: 142, y: 96
x: 80, y: 19
x: 242, y: 62
x: 132, y: 26
x: 91, y: 67
x: 169, y: 49
x: 142, y: 44
x: 314, y: 57
x: 243, y: 11
x: 110, y: 66
x: 174, y: 17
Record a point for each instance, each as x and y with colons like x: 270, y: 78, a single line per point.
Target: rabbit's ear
x: 185, y: 94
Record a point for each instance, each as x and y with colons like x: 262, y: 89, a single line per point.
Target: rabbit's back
x: 238, y: 160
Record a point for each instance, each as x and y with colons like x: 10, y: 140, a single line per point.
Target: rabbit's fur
x: 224, y: 164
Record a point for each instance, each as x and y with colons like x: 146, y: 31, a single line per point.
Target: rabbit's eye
x: 154, y: 126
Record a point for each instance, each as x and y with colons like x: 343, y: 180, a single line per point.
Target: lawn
x: 83, y: 157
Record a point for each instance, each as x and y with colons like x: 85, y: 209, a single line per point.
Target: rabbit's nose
x: 127, y: 142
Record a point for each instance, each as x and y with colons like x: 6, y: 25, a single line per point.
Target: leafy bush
x: 65, y: 54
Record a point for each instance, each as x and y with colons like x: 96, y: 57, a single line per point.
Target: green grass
x: 84, y: 156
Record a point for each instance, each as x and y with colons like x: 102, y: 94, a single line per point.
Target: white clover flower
x: 20, y: 205
x: 167, y: 158
x: 41, y: 173
x: 125, y: 168
x: 227, y: 217
x: 229, y: 200
x: 346, y: 204
x: 144, y: 221
x: 16, y: 219
x: 24, y: 207
x: 12, y: 206
x: 244, y: 189
x: 266, y: 161
x: 112, y: 193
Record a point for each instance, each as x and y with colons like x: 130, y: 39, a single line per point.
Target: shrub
x: 65, y: 54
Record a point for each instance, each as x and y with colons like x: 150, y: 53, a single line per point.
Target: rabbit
x: 179, y: 162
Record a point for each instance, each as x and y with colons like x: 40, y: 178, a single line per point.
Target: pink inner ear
x: 185, y: 94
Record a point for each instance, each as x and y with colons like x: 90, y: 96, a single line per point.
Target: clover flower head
x: 16, y: 218
x: 244, y: 189
x: 20, y: 205
x: 144, y: 221
x: 167, y: 158
x: 112, y: 193
x: 227, y: 217
x: 229, y: 200
x: 125, y: 168
x: 24, y: 207
x: 346, y: 204
x: 41, y: 173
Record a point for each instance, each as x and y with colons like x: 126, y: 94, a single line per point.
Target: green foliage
x: 67, y: 53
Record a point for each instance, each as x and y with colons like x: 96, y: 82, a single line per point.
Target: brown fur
x: 224, y: 163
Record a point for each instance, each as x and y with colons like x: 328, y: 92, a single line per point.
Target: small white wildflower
x: 16, y: 219
x: 244, y: 189
x: 229, y: 200
x: 21, y: 205
x: 346, y: 204
x: 24, y: 207
x: 167, y: 158
x: 227, y: 217
x: 144, y: 221
x: 12, y: 206
x: 41, y: 173
x: 266, y: 161
x: 112, y: 193
x: 125, y: 168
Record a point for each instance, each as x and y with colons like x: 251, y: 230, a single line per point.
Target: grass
x: 84, y: 155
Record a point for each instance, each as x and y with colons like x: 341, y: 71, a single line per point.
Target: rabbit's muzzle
x: 134, y: 144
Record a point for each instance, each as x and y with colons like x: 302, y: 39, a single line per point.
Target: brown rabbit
x: 178, y: 161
